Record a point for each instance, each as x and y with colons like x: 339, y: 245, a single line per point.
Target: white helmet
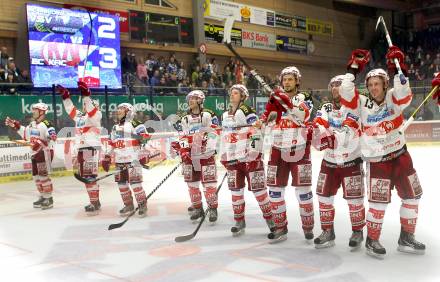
x: 40, y: 106
x: 196, y: 93
x: 377, y: 72
x: 337, y: 80
x: 130, y: 111
x: 291, y: 70
x: 240, y: 87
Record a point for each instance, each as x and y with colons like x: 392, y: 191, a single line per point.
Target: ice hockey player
x: 389, y: 163
x: 197, y: 147
x: 126, y: 138
x: 241, y: 155
x: 39, y: 133
x: 290, y: 153
x: 87, y: 140
x: 341, y: 166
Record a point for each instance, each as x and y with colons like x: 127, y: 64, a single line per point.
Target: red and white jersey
x: 379, y: 123
x: 290, y: 130
x: 87, y: 125
x: 347, y: 142
x: 238, y: 140
x: 42, y: 133
x: 199, y: 129
x: 125, y: 141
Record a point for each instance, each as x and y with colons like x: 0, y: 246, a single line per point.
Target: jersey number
x: 368, y: 104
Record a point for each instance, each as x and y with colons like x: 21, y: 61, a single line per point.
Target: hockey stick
x: 188, y: 237
x: 120, y: 224
x: 92, y: 180
x: 23, y: 143
x: 229, y: 22
x: 396, y: 61
x: 411, y: 119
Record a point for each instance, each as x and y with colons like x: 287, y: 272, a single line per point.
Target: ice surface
x: 63, y: 244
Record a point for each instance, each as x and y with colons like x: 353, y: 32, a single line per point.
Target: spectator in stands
x: 213, y: 66
x: 155, y: 80
x: 10, y: 89
x: 183, y: 88
x: 419, y: 54
x: 3, y: 57
x: 172, y: 84
x: 412, y: 72
x: 125, y: 62
x: 206, y: 72
x: 423, y: 69
x: 132, y: 64
x: 12, y: 69
x: 172, y: 65
x: 195, y: 75
x: 151, y: 64
x: 437, y: 59
x: 419, y: 76
x: 428, y: 59
x: 231, y: 64
x: 228, y: 76
x: 141, y: 71
x: 181, y: 73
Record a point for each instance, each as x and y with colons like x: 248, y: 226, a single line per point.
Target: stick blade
x: 82, y: 179
x: 378, y: 22
x: 184, y: 238
x: 114, y: 226
x: 229, y: 22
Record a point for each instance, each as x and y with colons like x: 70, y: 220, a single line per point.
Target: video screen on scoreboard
x: 66, y: 46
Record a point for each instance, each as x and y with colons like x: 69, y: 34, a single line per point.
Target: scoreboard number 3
x: 106, y: 29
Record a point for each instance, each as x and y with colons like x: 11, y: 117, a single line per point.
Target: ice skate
x: 142, y: 211
x: 126, y: 210
x: 278, y: 235
x: 239, y: 228
x: 374, y: 248
x: 408, y: 244
x: 325, y: 240
x: 212, y: 216
x: 197, y: 213
x: 47, y: 203
x: 93, y: 208
x: 355, y: 240
x: 37, y: 203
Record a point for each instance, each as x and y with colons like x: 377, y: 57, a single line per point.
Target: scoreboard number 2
x: 106, y: 29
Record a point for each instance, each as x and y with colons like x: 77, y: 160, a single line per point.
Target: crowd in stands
x: 10, y: 73
x: 422, y: 50
x: 169, y: 76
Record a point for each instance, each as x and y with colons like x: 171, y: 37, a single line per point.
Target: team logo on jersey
x: 81, y: 122
x: 251, y: 119
x: 35, y: 132
x: 381, y: 115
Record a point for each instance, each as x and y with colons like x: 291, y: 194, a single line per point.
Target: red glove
x: 175, y: 147
x: 106, y: 162
x: 185, y: 155
x: 359, y: 58
x: 273, y: 105
x: 284, y: 97
x: 436, y: 82
x: 84, y: 89
x: 395, y: 53
x: 144, y: 159
x: 15, y: 124
x: 65, y: 94
x: 37, y: 146
x: 322, y: 141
